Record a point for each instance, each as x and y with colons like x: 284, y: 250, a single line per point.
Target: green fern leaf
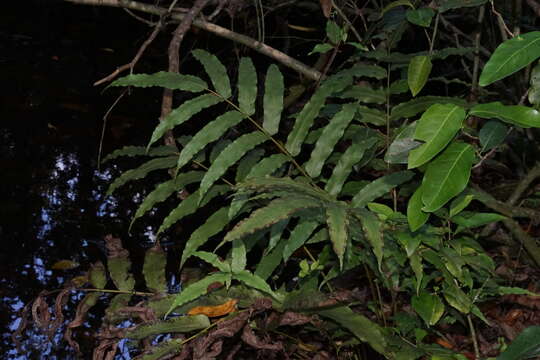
x: 271, y: 261
x: 285, y: 185
x: 183, y: 113
x: 305, y: 119
x: 168, y: 80
x: 213, y: 225
x: 164, y: 190
x: 370, y: 116
x: 196, y: 290
x: 132, y: 151
x: 142, y: 171
x: 273, y: 100
x: 336, y: 218
x: 301, y: 233
x: 267, y: 166
x: 189, y: 205
x: 350, y: 157
x: 364, y: 70
x: 329, y: 138
x: 365, y: 94
x: 253, y: 281
x: 320, y: 236
x: 380, y: 187
x: 238, y: 256
x: 229, y: 156
x: 213, y: 260
x: 269, y: 215
x: 247, y: 86
x: 247, y: 163
x: 216, y: 71
x: 276, y: 233
x: 372, y: 228
x: 209, y: 133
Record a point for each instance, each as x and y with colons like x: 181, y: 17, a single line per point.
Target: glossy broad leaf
x: 273, y: 99
x: 459, y: 204
x: 519, y: 115
x: 418, y: 73
x: 437, y: 126
x: 380, y: 187
x: 328, y: 139
x: 215, y: 70
x: 415, y: 216
x: 420, y: 17
x: 511, y: 56
x: 429, y: 307
x: 447, y: 176
x: 492, y: 134
x: 247, y: 86
x: 228, y: 157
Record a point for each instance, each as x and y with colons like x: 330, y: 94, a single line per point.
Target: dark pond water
x: 52, y: 202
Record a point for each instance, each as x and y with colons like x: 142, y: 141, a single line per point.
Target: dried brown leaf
x: 249, y: 337
x: 326, y: 6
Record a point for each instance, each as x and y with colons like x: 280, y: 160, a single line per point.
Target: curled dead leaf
x: 215, y: 311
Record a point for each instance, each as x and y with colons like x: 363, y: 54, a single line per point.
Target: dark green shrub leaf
x: 418, y: 73
x: 399, y: 149
x: 492, y: 134
x: 437, y: 126
x: 525, y: 346
x: 519, y: 115
x: 420, y: 17
x: 459, y: 203
x: 415, y: 216
x: 429, y: 307
x: 511, y: 56
x: 446, y: 5
x: 447, y: 176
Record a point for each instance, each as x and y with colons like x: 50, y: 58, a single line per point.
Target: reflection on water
x: 52, y: 195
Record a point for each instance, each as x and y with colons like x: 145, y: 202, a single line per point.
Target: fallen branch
x: 215, y: 29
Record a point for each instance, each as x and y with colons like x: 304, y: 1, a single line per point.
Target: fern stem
x: 138, y: 293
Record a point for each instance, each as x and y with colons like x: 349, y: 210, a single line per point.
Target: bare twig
x: 522, y: 186
x: 262, y: 48
x: 534, y: 6
x: 135, y: 60
x: 174, y: 61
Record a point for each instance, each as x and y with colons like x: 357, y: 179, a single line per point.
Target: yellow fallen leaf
x: 215, y: 311
x: 65, y: 265
x: 79, y: 281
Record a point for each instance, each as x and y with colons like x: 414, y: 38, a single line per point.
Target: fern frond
x: 164, y: 190
x: 132, y: 151
x: 213, y: 260
x: 209, y: 133
x: 305, y: 119
x: 247, y: 163
x: 329, y: 138
x: 238, y: 256
x: 253, y: 281
x: 270, y: 261
x: 271, y: 214
x: 267, y: 166
x: 189, y: 205
x: 370, y: 116
x: 273, y: 99
x: 142, y: 171
x: 216, y: 71
x: 338, y: 223
x: 301, y: 233
x: 168, y: 80
x: 365, y: 94
x: 345, y: 164
x: 228, y: 157
x: 247, y: 86
x: 197, y: 289
x: 285, y: 185
x: 372, y: 227
x: 183, y: 113
x: 213, y: 225
x: 380, y: 187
